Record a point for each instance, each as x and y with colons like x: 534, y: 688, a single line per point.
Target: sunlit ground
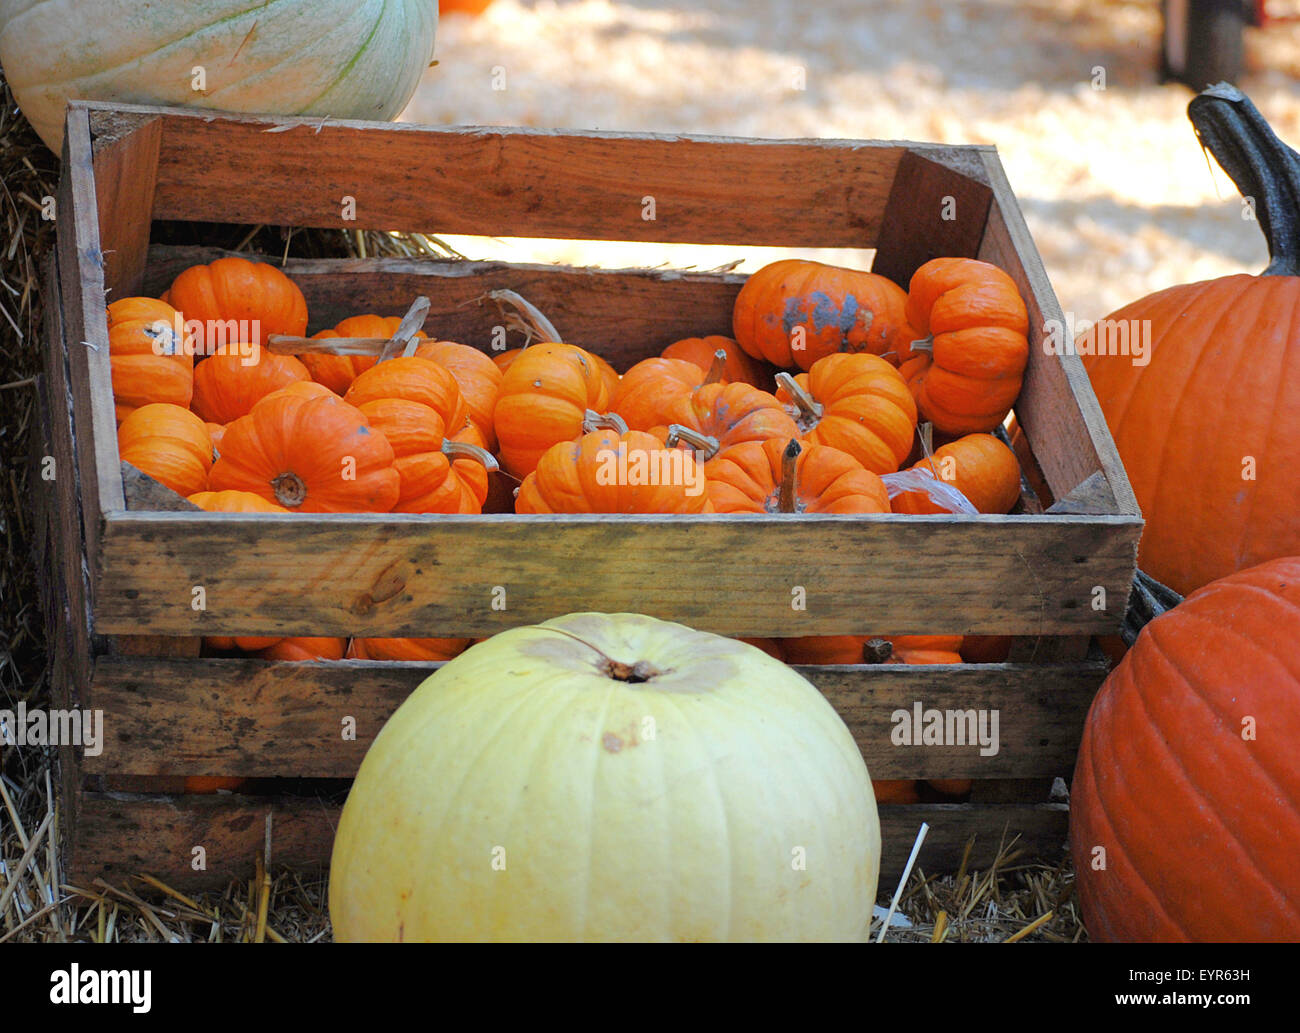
x: 1115, y: 189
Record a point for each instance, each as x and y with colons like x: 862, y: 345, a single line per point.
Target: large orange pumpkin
x: 309, y: 454
x: 255, y: 294
x: 966, y: 367
x: 147, y: 355
x: 168, y: 443
x: 227, y: 387
x: 859, y: 404
x: 1185, y: 803
x: 608, y: 472
x: 1207, y: 421
x: 793, y: 312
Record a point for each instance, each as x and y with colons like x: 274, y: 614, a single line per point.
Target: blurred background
x: 1113, y: 184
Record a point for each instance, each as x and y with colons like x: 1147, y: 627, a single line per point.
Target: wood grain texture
x: 85, y: 329
x: 932, y: 212
x: 393, y: 574
x: 1057, y: 409
x: 258, y: 719
x: 126, y: 171
x: 122, y: 834
x: 623, y: 315
x: 142, y: 492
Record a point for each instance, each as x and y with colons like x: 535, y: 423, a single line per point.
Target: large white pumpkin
x: 526, y: 792
x: 344, y: 58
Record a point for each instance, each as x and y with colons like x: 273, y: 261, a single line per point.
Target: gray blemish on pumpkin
x: 791, y: 317
x: 824, y: 311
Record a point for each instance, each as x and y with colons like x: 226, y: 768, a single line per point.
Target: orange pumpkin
x: 782, y: 477
x: 199, y: 785
x: 608, y: 472
x: 794, y: 312
x: 896, y: 791
x: 227, y: 387
x: 925, y: 649
x: 147, y: 355
x: 986, y: 649
x: 257, y: 296
x: 338, y: 371
x: 656, y: 392
x: 966, y: 367
x: 771, y: 646
x: 545, y: 396
x: 298, y: 649
x: 408, y: 649
x: 719, y: 416
x: 309, y: 454
x: 478, y: 378
x: 859, y: 404
x: 979, y: 466
x: 234, y: 502
x: 701, y: 351
x: 168, y: 443
x: 503, y: 360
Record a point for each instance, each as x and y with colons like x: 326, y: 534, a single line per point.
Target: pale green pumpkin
x: 526, y: 791
x: 354, y: 59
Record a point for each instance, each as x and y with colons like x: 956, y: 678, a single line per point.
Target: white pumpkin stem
x: 464, y: 450
x: 924, y: 344
x: 810, y: 410
x: 788, y: 499
x: 526, y: 316
x: 716, y: 368
x: 702, y: 443
x: 592, y: 421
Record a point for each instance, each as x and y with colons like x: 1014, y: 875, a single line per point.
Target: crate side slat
x: 392, y: 574
x: 126, y: 173
x: 257, y: 719
x: 624, y: 315
x: 125, y: 835
x: 85, y: 318
x: 1056, y: 409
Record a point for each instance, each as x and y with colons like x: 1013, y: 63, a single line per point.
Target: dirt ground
x: 1112, y: 182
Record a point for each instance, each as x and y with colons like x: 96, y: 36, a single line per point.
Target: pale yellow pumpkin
x: 609, y: 777
x: 342, y: 58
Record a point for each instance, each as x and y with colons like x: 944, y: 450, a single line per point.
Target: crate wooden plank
x: 1057, y: 409
x: 85, y: 318
x: 125, y: 173
x: 624, y: 315
x: 123, y: 834
x: 933, y: 211
x: 257, y: 719
x: 357, y: 574
x: 501, y: 181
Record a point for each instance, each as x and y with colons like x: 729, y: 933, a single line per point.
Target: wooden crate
x: 123, y: 565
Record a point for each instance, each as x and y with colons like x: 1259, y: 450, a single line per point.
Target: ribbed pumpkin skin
x: 740, y: 366
x: 1200, y: 826
x: 746, y: 478
x: 168, y: 443
x: 572, y: 477
x: 235, y: 288
x: 299, y: 649
x: 477, y: 376
x: 408, y: 649
x: 545, y: 392
x: 1225, y: 346
x: 227, y: 387
x: 839, y: 310
x: 979, y: 466
x: 733, y: 414
x: 342, y: 463
x: 338, y: 371
x: 868, y: 411
x: 149, y: 363
x: 234, y: 502
x: 656, y: 391
x: 686, y: 836
x: 359, y: 59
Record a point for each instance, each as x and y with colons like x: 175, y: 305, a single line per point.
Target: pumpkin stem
x: 923, y: 344
x: 789, y: 498
x: 635, y: 674
x: 404, y: 341
x: 810, y: 410
x: 925, y: 432
x: 700, y: 442
x: 1265, y: 170
x: 716, y: 368
x: 526, y: 316
x: 289, y: 489
x: 1147, y: 601
x: 592, y: 420
x: 464, y: 450
x: 877, y: 651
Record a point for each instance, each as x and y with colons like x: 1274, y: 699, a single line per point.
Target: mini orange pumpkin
x: 794, y: 312
x: 858, y: 403
x: 234, y: 502
x: 168, y: 443
x: 966, y: 369
x: 980, y: 466
x: 256, y: 295
x: 227, y: 387
x: 608, y: 472
x: 656, y: 392
x: 299, y: 649
x: 783, y: 477
x: 719, y: 416
x: 477, y: 376
x: 408, y: 649
x: 739, y: 366
x: 309, y: 454
x: 338, y: 371
x: 147, y: 355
